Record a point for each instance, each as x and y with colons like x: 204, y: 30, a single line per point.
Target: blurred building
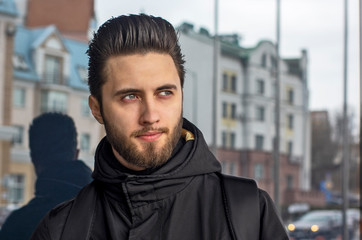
x: 246, y: 90
x: 8, y: 14
x: 45, y: 70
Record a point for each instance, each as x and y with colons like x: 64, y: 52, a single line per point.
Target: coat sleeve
x: 271, y: 226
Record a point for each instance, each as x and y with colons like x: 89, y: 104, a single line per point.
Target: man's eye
x: 130, y: 97
x: 165, y: 93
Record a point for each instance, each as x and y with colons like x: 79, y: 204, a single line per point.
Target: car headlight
x: 314, y: 228
x: 291, y: 227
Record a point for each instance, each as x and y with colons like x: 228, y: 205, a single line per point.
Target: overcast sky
x: 314, y: 25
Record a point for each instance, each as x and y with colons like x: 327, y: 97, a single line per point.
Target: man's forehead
x: 133, y: 70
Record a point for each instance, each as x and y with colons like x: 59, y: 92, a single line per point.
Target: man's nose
x: 150, y: 112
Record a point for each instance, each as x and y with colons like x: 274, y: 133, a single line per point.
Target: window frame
x: 21, y: 102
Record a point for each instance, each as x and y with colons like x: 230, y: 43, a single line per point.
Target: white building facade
x: 246, y: 105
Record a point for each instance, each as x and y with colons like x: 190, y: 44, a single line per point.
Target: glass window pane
x: 52, y: 69
x: 52, y: 101
x: 233, y: 83
x: 19, y: 97
x: 18, y: 138
x: 85, y: 142
x: 15, y: 188
x: 259, y: 141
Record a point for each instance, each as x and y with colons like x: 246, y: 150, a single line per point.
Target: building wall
x: 2, y: 65
x: 243, y: 156
x: 71, y: 17
x: 198, y: 83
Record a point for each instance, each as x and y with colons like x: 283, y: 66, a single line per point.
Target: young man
x: 60, y: 176
x: 154, y: 175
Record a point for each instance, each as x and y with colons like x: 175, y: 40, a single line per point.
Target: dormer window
x: 53, y: 69
x: 19, y: 63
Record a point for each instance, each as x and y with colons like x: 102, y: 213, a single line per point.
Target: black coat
x: 180, y: 200
x: 54, y: 186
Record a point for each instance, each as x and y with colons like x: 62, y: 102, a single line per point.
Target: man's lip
x: 150, y: 136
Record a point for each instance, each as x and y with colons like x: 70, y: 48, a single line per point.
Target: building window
x: 233, y: 83
x: 224, y: 139
x: 228, y: 168
x: 229, y: 82
x: 260, y: 86
x: 260, y: 113
x: 232, y: 169
x: 19, y: 97
x: 289, y: 182
x: 228, y: 139
x: 263, y: 60
x: 290, y: 96
x: 233, y: 111
x: 53, y: 69
x: 290, y: 121
x: 232, y: 140
x: 85, y: 142
x: 225, y: 81
x: 258, y: 171
x: 52, y: 101
x: 229, y: 110
x: 19, y: 136
x: 19, y: 62
x: 86, y: 112
x: 259, y: 142
x: 290, y: 148
x: 15, y: 185
x: 224, y: 110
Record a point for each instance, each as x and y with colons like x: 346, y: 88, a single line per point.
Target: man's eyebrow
x: 127, y: 91
x: 166, y: 86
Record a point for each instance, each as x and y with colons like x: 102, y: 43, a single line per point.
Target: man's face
x: 141, y: 108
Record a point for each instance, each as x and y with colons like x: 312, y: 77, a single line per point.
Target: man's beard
x: 149, y: 157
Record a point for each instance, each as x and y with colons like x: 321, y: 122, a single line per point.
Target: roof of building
x: 8, y: 7
x: 78, y: 63
x: 22, y: 50
x: 229, y: 43
x: 27, y: 40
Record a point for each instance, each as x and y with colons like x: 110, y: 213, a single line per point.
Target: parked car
x: 319, y: 224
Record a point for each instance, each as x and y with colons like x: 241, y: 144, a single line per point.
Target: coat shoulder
x: 51, y: 226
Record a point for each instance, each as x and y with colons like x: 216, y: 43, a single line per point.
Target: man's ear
x: 95, y: 108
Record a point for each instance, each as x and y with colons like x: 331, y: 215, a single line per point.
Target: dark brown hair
x: 131, y: 34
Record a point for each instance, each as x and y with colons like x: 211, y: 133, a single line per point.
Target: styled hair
x: 52, y: 139
x: 133, y: 34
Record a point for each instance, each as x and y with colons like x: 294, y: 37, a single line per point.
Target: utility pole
x: 345, y: 169
x: 277, y: 112
x: 215, y: 82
